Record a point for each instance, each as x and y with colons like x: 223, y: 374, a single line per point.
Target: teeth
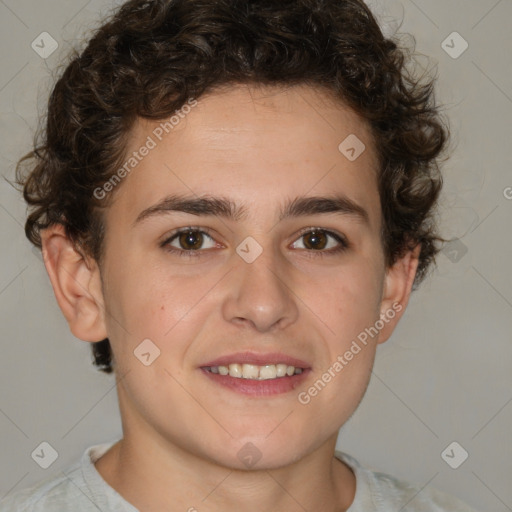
x: 268, y: 372
x: 255, y: 372
x: 249, y: 371
x: 235, y: 370
x: 281, y: 370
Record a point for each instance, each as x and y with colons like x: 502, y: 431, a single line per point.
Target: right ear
x: 76, y: 283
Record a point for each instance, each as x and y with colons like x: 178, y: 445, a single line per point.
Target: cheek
x: 134, y: 308
x: 148, y: 297
x: 349, y: 309
x: 351, y: 301
x: 355, y: 308
x: 158, y: 305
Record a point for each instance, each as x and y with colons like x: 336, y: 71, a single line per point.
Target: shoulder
x: 376, y: 491
x: 78, y: 487
x: 55, y: 493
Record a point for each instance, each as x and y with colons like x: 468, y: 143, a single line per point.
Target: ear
x: 76, y: 283
x: 396, y: 291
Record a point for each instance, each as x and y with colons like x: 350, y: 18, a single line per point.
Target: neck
x: 155, y: 476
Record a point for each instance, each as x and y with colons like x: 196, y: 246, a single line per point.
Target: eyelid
x: 341, y: 238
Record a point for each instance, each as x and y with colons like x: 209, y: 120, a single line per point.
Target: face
x: 256, y: 276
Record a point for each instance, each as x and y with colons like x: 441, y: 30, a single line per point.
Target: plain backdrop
x: 446, y: 374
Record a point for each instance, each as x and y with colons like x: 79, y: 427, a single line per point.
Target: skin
x: 182, y: 433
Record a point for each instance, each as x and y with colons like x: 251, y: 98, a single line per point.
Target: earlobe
x: 397, y: 290
x: 76, y: 284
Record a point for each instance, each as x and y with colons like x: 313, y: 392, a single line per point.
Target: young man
x: 234, y: 201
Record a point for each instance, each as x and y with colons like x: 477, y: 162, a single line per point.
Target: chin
x: 257, y: 453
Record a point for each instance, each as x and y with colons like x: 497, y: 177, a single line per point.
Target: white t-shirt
x: 82, y: 488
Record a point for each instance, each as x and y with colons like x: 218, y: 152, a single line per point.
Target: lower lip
x: 251, y: 387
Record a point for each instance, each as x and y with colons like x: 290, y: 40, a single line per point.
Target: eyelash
x: 191, y: 253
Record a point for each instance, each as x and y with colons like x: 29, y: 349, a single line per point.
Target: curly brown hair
x: 151, y: 56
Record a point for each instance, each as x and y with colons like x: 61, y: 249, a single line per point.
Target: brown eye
x: 321, y: 241
x: 315, y: 240
x: 190, y: 240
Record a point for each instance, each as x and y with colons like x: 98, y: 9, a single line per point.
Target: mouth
x: 257, y: 374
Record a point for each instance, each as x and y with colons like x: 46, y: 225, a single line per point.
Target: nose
x: 260, y: 293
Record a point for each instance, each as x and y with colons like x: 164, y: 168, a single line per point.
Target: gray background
x: 446, y: 373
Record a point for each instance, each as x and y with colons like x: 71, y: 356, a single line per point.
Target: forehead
x: 253, y: 144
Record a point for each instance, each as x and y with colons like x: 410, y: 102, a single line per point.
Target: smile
x: 255, y: 372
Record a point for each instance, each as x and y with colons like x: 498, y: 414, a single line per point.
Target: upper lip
x: 257, y: 359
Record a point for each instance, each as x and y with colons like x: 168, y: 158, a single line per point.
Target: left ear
x: 397, y: 289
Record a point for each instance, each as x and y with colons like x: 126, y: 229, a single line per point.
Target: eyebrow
x: 225, y: 208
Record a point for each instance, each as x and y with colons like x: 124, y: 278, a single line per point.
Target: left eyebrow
x: 226, y: 208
